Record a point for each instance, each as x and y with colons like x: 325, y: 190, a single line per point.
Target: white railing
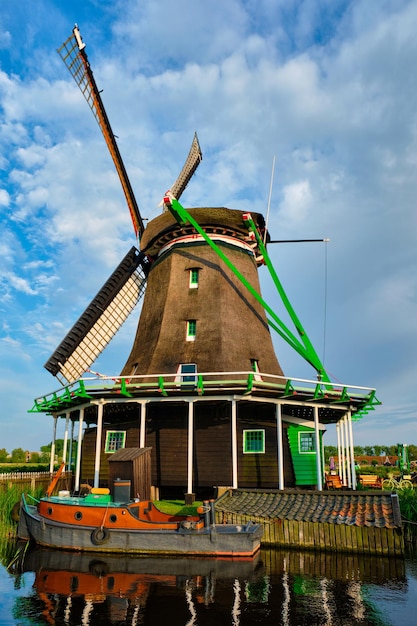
x: 201, y: 383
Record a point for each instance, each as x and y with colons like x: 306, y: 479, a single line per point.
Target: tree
x: 46, y: 450
x: 18, y: 455
x: 3, y: 455
x: 329, y: 451
x: 412, y: 452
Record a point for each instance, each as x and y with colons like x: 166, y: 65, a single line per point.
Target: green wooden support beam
x: 161, y: 386
x: 249, y: 385
x: 200, y: 385
x: 303, y: 347
x: 123, y: 389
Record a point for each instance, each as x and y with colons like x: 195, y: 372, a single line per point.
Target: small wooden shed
x: 134, y: 465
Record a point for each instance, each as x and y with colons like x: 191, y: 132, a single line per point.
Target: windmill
x: 202, y: 375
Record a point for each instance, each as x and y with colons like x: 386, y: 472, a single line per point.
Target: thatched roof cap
x: 205, y: 216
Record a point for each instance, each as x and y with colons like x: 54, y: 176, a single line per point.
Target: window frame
x: 312, y: 438
x: 246, y: 432
x: 194, y: 278
x: 184, y: 378
x: 107, y: 442
x: 191, y: 331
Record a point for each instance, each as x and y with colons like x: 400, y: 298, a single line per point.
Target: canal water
x: 277, y: 588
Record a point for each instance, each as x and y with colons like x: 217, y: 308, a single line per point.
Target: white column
x: 52, y: 459
x: 352, y: 451
x: 280, y: 459
x: 64, y: 449
x: 342, y: 448
x: 347, y: 439
x: 142, y: 424
x: 190, y: 447
x: 79, y: 446
x: 98, y: 444
x: 339, y: 451
x: 318, y: 449
x: 234, y: 446
x: 71, y: 446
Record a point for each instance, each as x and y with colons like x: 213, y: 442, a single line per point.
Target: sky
x: 326, y: 88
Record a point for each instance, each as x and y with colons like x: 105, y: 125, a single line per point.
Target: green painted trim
x: 305, y: 347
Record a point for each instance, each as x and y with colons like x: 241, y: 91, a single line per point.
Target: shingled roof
x: 376, y: 509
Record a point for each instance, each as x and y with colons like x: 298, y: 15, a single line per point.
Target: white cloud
x: 20, y: 284
x: 4, y: 198
x: 297, y: 200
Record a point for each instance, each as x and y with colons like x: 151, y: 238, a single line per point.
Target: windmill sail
x: 101, y: 320
x: 75, y: 58
x: 115, y: 301
x: 192, y: 162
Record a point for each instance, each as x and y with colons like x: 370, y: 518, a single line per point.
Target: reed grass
x: 8, y: 527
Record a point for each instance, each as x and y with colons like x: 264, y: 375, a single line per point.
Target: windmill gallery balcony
x: 241, y: 429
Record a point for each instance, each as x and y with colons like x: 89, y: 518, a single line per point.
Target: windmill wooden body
x: 202, y: 385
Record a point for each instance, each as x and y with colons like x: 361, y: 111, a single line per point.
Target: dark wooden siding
x: 212, y: 446
x: 167, y: 435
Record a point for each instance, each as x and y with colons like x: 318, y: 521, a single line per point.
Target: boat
x: 96, y: 522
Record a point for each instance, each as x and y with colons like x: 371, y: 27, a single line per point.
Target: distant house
x: 390, y: 461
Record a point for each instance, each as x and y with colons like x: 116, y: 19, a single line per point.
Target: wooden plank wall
x: 323, y: 536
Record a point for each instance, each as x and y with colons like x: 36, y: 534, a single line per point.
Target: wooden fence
x: 32, y: 481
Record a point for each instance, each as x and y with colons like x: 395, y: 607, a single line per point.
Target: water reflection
x: 277, y: 587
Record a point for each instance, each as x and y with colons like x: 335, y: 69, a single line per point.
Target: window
x: 186, y: 375
x: 307, y: 442
x: 115, y: 439
x: 194, y: 278
x: 191, y: 330
x: 254, y: 441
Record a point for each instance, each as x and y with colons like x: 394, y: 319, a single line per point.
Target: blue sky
x: 328, y: 87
